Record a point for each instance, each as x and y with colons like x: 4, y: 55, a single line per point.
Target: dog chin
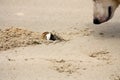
x: 104, y: 21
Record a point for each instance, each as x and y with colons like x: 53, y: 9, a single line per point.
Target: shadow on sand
x: 106, y: 30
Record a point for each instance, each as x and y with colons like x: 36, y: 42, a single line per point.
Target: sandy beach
x: 89, y: 52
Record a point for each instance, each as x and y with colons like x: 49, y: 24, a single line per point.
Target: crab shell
x: 47, y: 36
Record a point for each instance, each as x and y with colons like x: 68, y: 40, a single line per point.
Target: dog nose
x: 96, y: 21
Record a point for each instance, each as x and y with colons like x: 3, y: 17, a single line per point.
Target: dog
x: 104, y: 10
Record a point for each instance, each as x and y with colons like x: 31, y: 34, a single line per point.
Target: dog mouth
x: 109, y: 12
x: 98, y: 21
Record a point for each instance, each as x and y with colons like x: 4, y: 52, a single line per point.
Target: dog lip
x: 109, y: 12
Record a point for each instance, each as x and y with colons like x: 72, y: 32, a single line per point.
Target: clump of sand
x: 16, y: 37
x: 63, y: 66
x: 101, y: 55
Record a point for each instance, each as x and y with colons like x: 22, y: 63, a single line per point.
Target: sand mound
x: 16, y: 37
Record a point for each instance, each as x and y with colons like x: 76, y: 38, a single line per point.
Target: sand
x: 16, y: 37
x: 88, y: 52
